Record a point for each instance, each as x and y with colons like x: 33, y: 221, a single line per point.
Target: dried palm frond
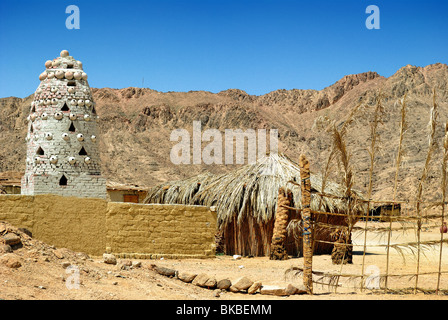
x: 403, y: 128
x: 432, y: 144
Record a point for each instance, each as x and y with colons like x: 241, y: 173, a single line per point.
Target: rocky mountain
x: 136, y: 124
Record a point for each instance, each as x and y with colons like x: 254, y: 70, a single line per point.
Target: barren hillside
x: 136, y: 123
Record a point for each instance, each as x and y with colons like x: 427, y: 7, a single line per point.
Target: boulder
x: 10, y: 260
x: 164, y: 271
x: 273, y: 291
x: 210, y: 283
x: 203, y: 280
x: 242, y: 283
x: 224, y: 284
x: 254, y: 287
x: 5, y: 248
x: 186, y: 276
x: 109, y: 258
x: 11, y: 239
x: 233, y: 289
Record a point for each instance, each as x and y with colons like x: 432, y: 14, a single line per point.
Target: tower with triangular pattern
x: 62, y: 145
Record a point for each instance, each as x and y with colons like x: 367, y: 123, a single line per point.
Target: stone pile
x: 17, y: 247
x: 241, y: 285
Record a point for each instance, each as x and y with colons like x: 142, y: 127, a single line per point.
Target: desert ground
x: 42, y: 274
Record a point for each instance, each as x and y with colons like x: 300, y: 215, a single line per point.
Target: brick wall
x: 155, y: 230
x: 95, y: 226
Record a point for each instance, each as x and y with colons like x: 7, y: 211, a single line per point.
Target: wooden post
x: 307, y: 228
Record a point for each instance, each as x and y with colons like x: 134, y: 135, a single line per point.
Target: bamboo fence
x: 428, y: 214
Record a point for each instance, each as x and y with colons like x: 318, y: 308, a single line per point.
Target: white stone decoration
x: 48, y: 135
x: 72, y: 116
x: 54, y: 159
x: 80, y: 137
x: 69, y: 75
x: 65, y: 136
x: 71, y: 160
x: 93, y: 138
x: 60, y: 74
x: 87, y: 117
x: 44, y: 116
x: 58, y: 115
x: 87, y: 160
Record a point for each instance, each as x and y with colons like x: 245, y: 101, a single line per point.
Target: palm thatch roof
x: 250, y: 190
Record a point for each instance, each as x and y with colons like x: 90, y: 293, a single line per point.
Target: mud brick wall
x: 66, y: 222
x: 70, y: 222
x: 95, y: 226
x: 157, y: 230
x: 17, y: 210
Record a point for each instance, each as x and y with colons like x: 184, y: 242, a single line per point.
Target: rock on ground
x: 254, y: 287
x: 11, y: 239
x: 273, y: 290
x: 10, y: 260
x: 164, y: 271
x: 109, y: 258
x: 242, y: 283
x: 224, y: 284
x: 186, y: 276
x: 204, y: 280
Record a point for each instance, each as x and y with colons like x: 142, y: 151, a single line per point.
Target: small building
x: 246, y: 205
x: 117, y: 192
x: 10, y: 182
x: 384, y: 211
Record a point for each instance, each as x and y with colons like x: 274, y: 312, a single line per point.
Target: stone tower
x: 62, y: 147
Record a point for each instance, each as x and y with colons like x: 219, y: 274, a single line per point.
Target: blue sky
x: 254, y: 45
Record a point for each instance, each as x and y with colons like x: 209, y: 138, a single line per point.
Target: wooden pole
x: 307, y: 227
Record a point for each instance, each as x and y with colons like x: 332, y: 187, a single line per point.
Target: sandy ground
x: 42, y: 275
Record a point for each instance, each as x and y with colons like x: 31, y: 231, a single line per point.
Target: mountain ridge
x: 135, y: 125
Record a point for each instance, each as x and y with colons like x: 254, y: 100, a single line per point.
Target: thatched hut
x: 246, y: 203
